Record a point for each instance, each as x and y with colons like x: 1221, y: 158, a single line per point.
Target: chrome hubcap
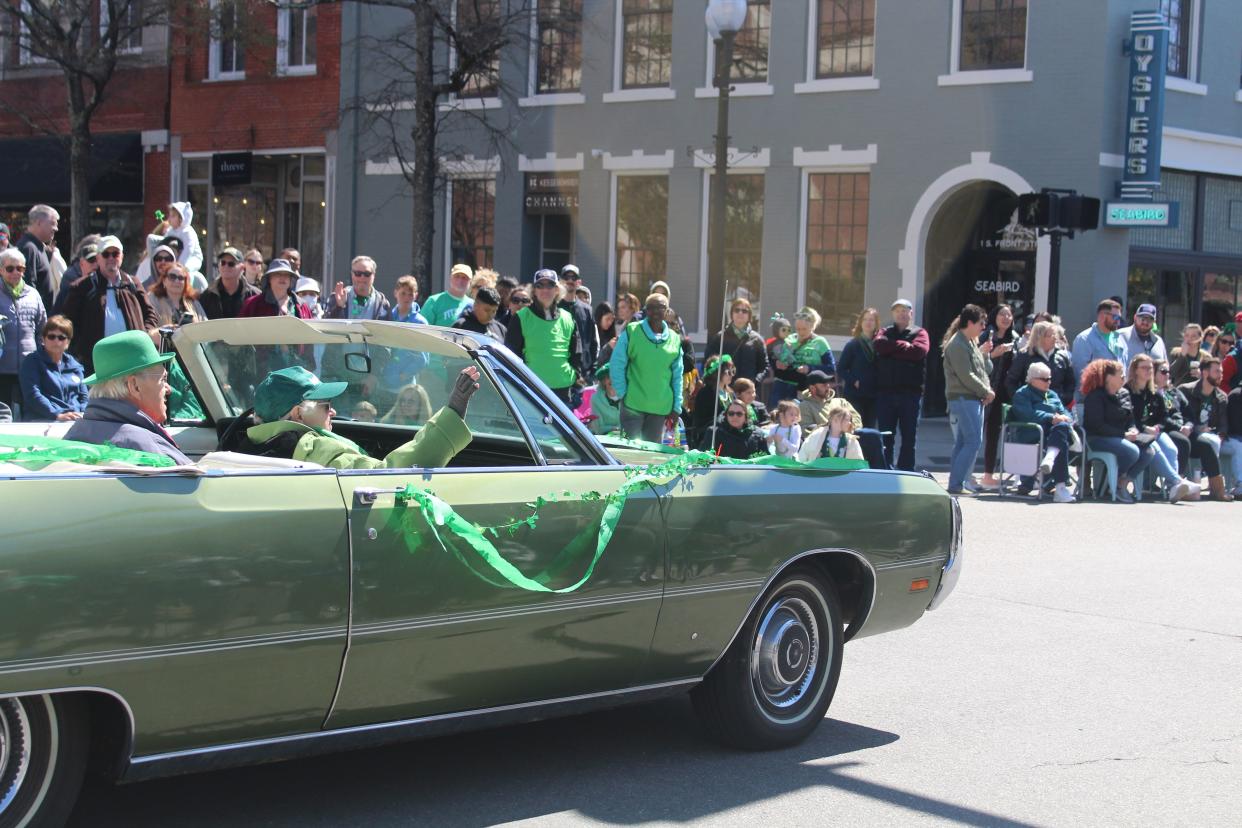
x: 785, y: 656
x: 14, y: 750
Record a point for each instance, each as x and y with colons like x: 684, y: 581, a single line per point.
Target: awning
x: 36, y: 170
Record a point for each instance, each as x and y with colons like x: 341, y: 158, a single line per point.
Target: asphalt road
x: 1085, y: 672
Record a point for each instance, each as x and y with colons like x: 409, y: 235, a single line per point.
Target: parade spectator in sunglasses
x: 21, y: 317
x: 52, y: 380
x: 174, y: 299
x: 734, y: 436
x: 108, y: 302
x: 230, y: 290
x: 741, y: 342
x: 252, y: 266
x: 361, y: 300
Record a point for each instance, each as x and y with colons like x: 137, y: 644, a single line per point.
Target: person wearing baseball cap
x: 584, y: 318
x: 543, y: 334
x: 901, y: 370
x: 230, y: 290
x: 444, y: 307
x: 128, y: 397
x: 294, y: 409
x: 1141, y: 337
x: 107, y: 302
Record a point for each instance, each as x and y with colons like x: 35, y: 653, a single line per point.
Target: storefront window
x: 1222, y: 215
x: 1171, y: 291
x: 1178, y: 187
x: 1220, y: 298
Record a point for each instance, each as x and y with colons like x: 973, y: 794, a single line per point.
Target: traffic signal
x: 1064, y: 211
x: 1079, y: 212
x: 1037, y: 210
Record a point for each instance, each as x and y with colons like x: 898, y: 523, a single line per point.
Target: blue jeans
x: 966, y: 441
x: 899, y: 410
x: 1131, y: 459
x: 1164, y: 467
x: 1232, y: 448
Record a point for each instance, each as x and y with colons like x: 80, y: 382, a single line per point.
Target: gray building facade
x: 877, y: 149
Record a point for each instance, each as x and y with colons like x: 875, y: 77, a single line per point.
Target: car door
x: 435, y: 629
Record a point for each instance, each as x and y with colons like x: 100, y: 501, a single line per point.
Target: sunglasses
x: 14, y: 268
x: 163, y: 258
x: 228, y: 263
x: 174, y: 277
x: 112, y: 254
x: 735, y: 413
x: 1226, y: 340
x: 519, y: 300
x: 255, y: 262
x: 1164, y: 371
x: 56, y: 337
x: 362, y: 274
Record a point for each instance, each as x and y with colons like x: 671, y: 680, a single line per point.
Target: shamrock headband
x: 714, y: 365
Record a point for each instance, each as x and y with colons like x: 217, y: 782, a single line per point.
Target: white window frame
x: 834, y: 160
x: 1190, y: 84
x: 739, y: 89
x: 812, y: 84
x: 214, y: 72
x: 103, y: 27
x: 24, y: 55
x: 284, y: 24
x: 976, y: 77
x: 616, y: 173
x: 533, y: 96
x: 620, y: 94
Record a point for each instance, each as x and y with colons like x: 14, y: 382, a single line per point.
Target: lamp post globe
x: 725, y: 16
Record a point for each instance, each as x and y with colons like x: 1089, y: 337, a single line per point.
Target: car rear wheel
x: 774, y: 685
x: 43, y: 752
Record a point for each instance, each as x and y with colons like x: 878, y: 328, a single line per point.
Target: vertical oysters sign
x: 1148, y: 51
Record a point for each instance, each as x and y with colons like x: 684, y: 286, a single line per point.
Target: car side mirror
x: 358, y: 363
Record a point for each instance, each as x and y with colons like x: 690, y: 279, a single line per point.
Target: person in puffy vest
x: 646, y: 373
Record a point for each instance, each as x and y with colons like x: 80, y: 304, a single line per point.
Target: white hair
x: 42, y: 211
x: 113, y: 389
x: 366, y: 259
x: 809, y: 315
x: 1038, y: 370
x: 12, y: 254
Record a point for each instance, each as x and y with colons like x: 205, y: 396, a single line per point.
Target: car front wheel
x: 43, y: 752
x: 774, y: 684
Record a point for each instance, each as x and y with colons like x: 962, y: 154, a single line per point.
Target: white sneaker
x: 1062, y: 494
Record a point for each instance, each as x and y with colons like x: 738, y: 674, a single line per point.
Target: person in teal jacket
x: 1036, y: 402
x: 296, y: 411
x: 646, y: 373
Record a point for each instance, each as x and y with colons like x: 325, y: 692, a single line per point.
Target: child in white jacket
x: 178, y: 224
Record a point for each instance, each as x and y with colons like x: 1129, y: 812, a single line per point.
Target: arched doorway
x: 976, y: 252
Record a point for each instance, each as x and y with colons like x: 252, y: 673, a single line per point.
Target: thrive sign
x: 231, y: 168
x: 1148, y: 55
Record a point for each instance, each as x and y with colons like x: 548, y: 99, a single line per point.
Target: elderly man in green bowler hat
x: 128, y: 397
x: 296, y: 412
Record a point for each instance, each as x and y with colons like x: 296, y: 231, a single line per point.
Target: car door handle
x: 365, y: 496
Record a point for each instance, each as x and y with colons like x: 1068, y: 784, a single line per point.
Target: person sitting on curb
x: 1036, y: 402
x: 296, y: 413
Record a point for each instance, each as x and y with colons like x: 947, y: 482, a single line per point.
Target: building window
x: 846, y: 38
x: 1180, y: 14
x: 836, y: 246
x: 750, y: 47
x: 128, y: 25
x: 473, y: 212
x: 647, y: 50
x: 478, y: 23
x: 641, y: 232
x: 560, y: 46
x: 295, y: 36
x: 226, y: 59
x: 993, y: 35
x: 743, y: 240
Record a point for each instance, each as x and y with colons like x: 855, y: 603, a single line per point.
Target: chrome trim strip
x: 422, y: 471
x: 304, y: 744
x: 938, y: 559
x: 399, y: 625
x: 139, y: 653
x: 680, y: 592
x: 952, y: 569
x: 856, y: 624
x: 130, y: 721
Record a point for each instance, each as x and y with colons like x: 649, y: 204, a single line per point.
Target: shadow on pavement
x: 625, y: 766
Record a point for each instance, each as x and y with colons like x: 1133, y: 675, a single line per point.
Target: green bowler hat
x: 283, y: 389
x: 124, y: 353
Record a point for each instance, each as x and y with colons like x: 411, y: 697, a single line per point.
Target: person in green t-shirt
x: 544, y: 335
x: 646, y: 373
x: 443, y: 308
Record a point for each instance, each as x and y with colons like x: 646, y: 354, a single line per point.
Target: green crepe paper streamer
x: 33, y: 453
x: 439, y: 515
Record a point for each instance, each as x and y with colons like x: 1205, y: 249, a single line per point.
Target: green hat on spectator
x: 122, y: 354
x: 283, y: 389
x: 602, y: 371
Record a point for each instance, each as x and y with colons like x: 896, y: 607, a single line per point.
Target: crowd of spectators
x: 1170, y: 418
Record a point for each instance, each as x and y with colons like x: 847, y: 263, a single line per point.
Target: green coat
x: 967, y: 370
x: 434, y: 446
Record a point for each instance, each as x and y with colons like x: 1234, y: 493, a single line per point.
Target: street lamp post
x: 724, y: 19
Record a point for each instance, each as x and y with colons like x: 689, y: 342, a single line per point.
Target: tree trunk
x: 423, y: 180
x: 79, y: 165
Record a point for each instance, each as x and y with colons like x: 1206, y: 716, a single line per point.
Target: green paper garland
x: 33, y: 453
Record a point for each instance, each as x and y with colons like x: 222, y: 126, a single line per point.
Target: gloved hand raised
x: 467, y: 383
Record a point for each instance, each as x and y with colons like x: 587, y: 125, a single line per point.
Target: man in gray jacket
x: 128, y: 397
x: 968, y: 389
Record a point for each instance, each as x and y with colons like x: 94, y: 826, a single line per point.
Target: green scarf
x: 18, y: 289
x: 868, y: 346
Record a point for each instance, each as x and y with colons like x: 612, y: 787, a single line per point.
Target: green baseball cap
x: 283, y: 389
x: 124, y: 353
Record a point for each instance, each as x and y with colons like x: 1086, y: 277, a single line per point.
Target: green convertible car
x: 160, y: 620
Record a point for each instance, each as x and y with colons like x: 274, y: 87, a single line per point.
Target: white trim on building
x: 639, y: 161
x: 551, y: 163
x: 1207, y: 152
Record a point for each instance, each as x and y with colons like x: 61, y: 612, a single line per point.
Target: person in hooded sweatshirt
x: 177, y: 224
